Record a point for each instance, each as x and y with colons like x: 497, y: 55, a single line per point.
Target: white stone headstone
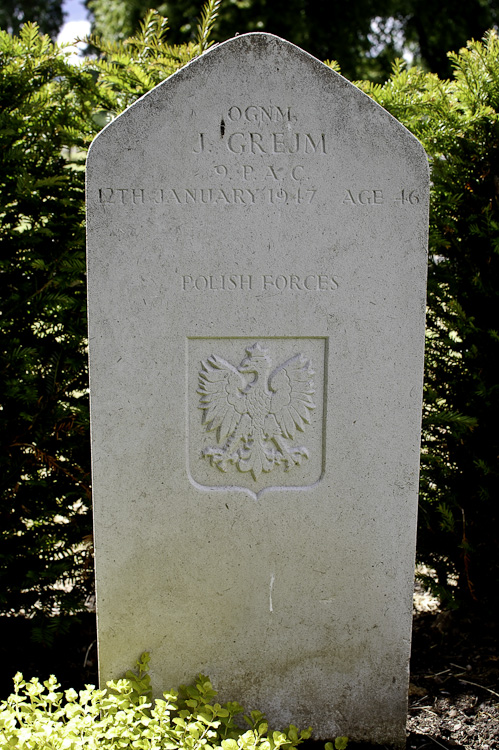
x: 257, y: 233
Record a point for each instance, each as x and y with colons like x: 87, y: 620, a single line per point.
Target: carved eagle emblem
x: 256, y: 411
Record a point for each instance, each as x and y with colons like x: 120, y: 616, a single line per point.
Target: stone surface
x: 257, y: 260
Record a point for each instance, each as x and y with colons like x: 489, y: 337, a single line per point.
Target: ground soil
x: 453, y: 696
x: 454, y: 689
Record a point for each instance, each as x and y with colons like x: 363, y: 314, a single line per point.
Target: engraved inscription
x: 206, y: 196
x: 214, y: 196
x: 270, y: 144
x: 215, y: 283
x: 250, y: 173
x: 260, y: 113
x: 256, y: 411
x: 407, y: 196
x: 363, y: 197
x: 375, y: 197
x: 276, y: 143
x: 240, y: 142
x: 297, y: 193
x: 254, y: 143
x: 312, y: 282
x: 245, y: 162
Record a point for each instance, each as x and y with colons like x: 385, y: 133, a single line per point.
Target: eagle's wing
x: 222, y: 400
x: 292, y: 388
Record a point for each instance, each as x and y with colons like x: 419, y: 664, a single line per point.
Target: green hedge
x: 45, y: 126
x: 457, y: 122
x: 50, y: 111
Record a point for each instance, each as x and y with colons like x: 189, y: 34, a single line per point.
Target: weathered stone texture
x: 257, y: 235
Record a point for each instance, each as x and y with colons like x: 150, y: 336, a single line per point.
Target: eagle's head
x: 257, y: 360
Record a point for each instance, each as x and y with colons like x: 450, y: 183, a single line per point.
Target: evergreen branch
x: 208, y: 17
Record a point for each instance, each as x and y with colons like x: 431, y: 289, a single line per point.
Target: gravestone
x: 257, y: 234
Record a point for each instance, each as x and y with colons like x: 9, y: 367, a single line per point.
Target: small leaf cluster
x: 124, y: 715
x: 131, y: 68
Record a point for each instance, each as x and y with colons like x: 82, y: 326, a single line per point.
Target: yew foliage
x: 50, y: 110
x: 457, y: 122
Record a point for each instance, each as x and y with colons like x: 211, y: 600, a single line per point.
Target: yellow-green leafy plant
x: 39, y: 715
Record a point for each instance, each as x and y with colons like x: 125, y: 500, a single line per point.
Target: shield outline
x: 194, y: 423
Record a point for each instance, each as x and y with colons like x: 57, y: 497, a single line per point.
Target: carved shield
x: 255, y: 411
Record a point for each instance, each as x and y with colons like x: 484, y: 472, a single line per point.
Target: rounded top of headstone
x: 259, y: 64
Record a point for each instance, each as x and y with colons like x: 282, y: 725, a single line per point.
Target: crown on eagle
x: 257, y: 352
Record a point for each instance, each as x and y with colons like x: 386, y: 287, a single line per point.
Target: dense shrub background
x: 457, y: 122
x: 364, y: 36
x: 45, y: 119
x: 50, y: 110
